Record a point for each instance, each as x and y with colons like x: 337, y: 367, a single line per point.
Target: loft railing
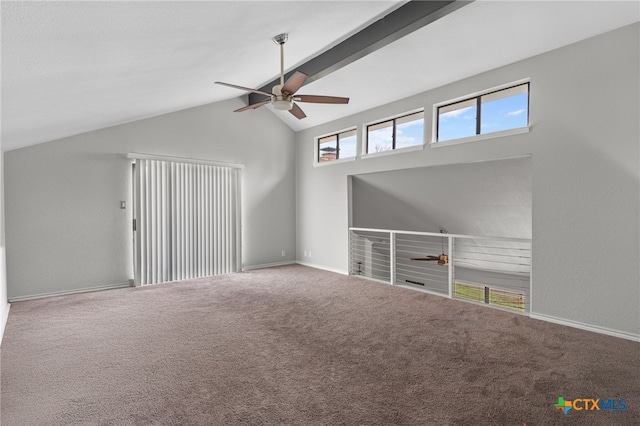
x: 491, y: 270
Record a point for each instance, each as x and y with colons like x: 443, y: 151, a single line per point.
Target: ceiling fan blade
x: 321, y: 99
x: 244, y: 88
x: 297, y: 112
x: 294, y: 83
x: 426, y: 258
x: 253, y: 106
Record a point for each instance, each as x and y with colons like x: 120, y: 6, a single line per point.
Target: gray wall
x: 4, y: 306
x: 65, y: 228
x: 491, y: 198
x: 584, y: 143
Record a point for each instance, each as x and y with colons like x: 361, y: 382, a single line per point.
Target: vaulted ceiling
x: 73, y: 67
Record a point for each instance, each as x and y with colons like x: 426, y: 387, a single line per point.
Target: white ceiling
x: 72, y: 67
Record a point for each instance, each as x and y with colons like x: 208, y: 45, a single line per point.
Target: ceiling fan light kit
x: 283, y: 104
x: 282, y: 97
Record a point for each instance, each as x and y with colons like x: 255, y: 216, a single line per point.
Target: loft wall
x: 65, y: 229
x: 584, y: 110
x: 491, y: 198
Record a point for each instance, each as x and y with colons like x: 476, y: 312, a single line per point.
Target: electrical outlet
x: 309, y: 254
x: 305, y: 253
x: 284, y: 253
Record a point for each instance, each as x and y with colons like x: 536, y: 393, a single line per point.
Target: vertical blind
x: 187, y: 222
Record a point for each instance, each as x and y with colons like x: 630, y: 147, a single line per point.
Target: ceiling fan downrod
x: 281, y: 39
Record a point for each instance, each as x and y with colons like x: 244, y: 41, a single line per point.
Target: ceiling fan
x: 442, y: 259
x: 283, y: 96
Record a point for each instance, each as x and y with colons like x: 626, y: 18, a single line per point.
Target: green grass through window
x: 467, y: 291
x: 505, y: 299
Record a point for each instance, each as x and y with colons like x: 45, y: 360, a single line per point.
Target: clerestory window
x: 490, y: 112
x: 336, y: 146
x: 396, y: 133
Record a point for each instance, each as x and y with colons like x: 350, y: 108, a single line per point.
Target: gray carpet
x: 298, y: 346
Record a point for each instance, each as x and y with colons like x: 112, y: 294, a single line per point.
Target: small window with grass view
x: 397, y: 133
x: 491, y: 112
x: 337, y: 146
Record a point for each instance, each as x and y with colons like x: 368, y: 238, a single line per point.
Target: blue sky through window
x: 380, y: 137
x: 501, y: 110
x: 457, y: 123
x: 409, y: 132
x: 505, y: 113
x: 348, y: 146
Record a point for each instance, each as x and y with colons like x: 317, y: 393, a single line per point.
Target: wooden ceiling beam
x: 409, y: 17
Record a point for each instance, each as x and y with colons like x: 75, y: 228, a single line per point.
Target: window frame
x: 477, y: 96
x: 392, y: 119
x: 316, y: 146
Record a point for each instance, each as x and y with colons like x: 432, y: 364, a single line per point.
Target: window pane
x: 468, y: 291
x: 347, y: 144
x: 380, y: 137
x: 410, y: 130
x: 328, y: 148
x: 457, y: 120
x: 516, y: 90
x: 505, y: 109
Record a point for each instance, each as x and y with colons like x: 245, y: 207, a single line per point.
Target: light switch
x: 123, y: 204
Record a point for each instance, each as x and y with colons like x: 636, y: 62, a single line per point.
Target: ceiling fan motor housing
x: 277, y: 90
x: 280, y: 101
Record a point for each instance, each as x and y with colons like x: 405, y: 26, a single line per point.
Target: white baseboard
x: 324, y: 268
x: 74, y: 291
x: 587, y: 327
x: 268, y: 265
x: 3, y: 322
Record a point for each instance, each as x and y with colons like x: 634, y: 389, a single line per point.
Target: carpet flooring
x: 294, y: 345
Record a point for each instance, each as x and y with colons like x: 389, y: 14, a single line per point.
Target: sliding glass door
x: 187, y: 220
